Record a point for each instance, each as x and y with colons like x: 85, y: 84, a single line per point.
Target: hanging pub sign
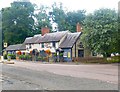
x: 5, y: 45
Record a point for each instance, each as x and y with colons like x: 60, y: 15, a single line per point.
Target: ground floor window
x: 65, y: 54
x: 80, y: 53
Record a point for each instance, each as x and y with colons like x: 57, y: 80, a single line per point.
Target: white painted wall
x: 57, y: 45
x: 28, y: 50
x: 38, y: 46
x: 49, y: 46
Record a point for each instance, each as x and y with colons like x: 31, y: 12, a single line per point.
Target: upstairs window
x: 54, y: 45
x: 42, y: 45
x: 80, y: 45
x: 30, y: 46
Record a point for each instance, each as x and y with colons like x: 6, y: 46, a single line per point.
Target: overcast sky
x: 88, y: 5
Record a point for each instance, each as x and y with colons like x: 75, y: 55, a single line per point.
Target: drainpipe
x: 75, y: 49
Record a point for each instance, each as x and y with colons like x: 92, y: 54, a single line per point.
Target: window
x: 81, y: 45
x: 65, y: 54
x: 42, y: 45
x: 54, y: 45
x: 30, y: 46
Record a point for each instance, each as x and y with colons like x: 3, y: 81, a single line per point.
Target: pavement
x: 30, y: 75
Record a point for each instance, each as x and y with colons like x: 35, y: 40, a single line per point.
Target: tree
x: 73, y: 18
x: 43, y: 18
x: 100, y: 29
x: 18, y: 22
x: 66, y: 20
x: 58, y: 16
x: 118, y: 33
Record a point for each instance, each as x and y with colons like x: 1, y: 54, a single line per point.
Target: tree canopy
x: 43, y: 18
x: 100, y: 30
x: 18, y: 22
x: 66, y: 20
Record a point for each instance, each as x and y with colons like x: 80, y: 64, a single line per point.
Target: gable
x: 70, y: 40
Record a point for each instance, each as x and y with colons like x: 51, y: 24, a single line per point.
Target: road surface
x: 39, y: 76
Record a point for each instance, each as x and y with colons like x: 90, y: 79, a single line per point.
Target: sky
x: 88, y: 5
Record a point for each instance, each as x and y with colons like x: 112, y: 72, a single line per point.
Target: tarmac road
x: 22, y: 78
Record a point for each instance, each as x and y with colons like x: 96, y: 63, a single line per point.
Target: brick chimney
x: 45, y: 30
x: 78, y: 27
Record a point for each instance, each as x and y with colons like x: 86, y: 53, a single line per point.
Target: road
x: 39, y: 76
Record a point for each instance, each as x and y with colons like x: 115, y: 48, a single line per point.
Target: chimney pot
x: 78, y: 27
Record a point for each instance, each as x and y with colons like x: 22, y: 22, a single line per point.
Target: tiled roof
x: 23, y: 47
x: 70, y: 40
x: 50, y: 37
x: 28, y: 40
x: 16, y: 47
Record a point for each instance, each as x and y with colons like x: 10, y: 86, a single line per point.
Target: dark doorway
x: 80, y: 53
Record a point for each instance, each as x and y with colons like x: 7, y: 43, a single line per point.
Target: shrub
x: 39, y: 58
x: 21, y: 57
x: 12, y: 56
x: 61, y: 54
x: 89, y: 59
x: 115, y: 59
x: 5, y: 56
x: 25, y: 57
x: 55, y: 54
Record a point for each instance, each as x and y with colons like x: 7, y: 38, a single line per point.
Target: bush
x: 21, y: 57
x: 5, y: 56
x: 39, y: 58
x: 115, y: 59
x: 55, y: 54
x: 25, y: 57
x: 12, y: 56
x: 89, y: 59
x: 28, y: 57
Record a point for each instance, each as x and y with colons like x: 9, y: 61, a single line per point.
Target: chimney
x: 78, y: 27
x: 45, y: 30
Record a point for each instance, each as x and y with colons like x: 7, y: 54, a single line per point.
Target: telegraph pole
x: 1, y: 44
x: 1, y: 37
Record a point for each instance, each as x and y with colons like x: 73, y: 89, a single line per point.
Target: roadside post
x: 1, y: 42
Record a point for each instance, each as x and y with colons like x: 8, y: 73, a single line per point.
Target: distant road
x: 37, y: 76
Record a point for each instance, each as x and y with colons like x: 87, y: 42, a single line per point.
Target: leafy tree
x: 118, y: 33
x: 100, y: 29
x: 18, y: 22
x: 58, y: 16
x: 74, y: 17
x: 66, y: 20
x: 43, y: 18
